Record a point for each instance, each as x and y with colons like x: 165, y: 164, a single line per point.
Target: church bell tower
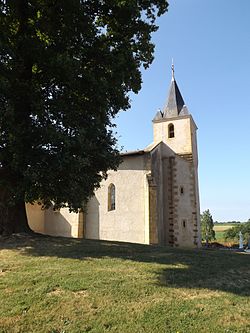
x: 175, y: 127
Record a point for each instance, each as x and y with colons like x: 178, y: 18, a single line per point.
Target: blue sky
x: 210, y: 44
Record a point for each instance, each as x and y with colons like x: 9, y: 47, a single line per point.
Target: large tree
x: 66, y: 68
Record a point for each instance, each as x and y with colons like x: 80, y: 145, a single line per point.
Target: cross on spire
x: 172, y: 69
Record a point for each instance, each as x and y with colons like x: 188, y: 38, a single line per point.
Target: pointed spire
x: 175, y: 105
x: 159, y: 115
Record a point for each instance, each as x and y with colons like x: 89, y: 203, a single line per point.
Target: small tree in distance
x: 233, y: 233
x: 207, y: 225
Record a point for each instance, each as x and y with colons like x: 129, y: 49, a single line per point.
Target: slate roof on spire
x: 175, y: 102
x: 175, y: 105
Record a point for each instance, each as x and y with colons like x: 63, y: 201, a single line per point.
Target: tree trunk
x: 13, y: 219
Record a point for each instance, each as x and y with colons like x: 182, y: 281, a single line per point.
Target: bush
x: 233, y: 233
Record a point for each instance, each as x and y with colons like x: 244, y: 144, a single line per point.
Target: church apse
x: 126, y: 219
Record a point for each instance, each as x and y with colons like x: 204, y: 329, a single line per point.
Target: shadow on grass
x: 181, y: 268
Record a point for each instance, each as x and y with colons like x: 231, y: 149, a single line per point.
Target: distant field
x: 220, y: 229
x: 56, y: 285
x: 223, y: 227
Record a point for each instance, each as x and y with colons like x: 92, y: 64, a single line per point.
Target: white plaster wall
x: 53, y: 223
x: 35, y: 217
x: 61, y: 223
x: 127, y: 222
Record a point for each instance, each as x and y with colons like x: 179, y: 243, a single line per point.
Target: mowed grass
x: 64, y: 285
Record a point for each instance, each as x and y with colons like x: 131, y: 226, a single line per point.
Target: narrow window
x: 171, y: 131
x: 181, y: 190
x: 111, y: 197
x: 184, y: 223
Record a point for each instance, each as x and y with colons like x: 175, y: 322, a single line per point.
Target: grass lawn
x: 64, y: 285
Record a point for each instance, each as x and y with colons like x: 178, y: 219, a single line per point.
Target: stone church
x: 153, y: 198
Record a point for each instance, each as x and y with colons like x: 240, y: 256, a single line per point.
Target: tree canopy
x: 66, y: 68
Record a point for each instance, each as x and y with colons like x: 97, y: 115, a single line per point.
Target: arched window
x: 111, y: 197
x: 171, y: 130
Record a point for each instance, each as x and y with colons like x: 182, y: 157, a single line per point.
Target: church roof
x: 148, y: 149
x: 133, y: 152
x: 175, y: 105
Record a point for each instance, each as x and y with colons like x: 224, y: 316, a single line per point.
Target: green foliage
x: 207, y: 226
x: 219, y: 236
x: 233, y: 233
x: 66, y: 68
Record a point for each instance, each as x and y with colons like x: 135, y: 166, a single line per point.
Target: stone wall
x: 181, y: 143
x: 182, y: 216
